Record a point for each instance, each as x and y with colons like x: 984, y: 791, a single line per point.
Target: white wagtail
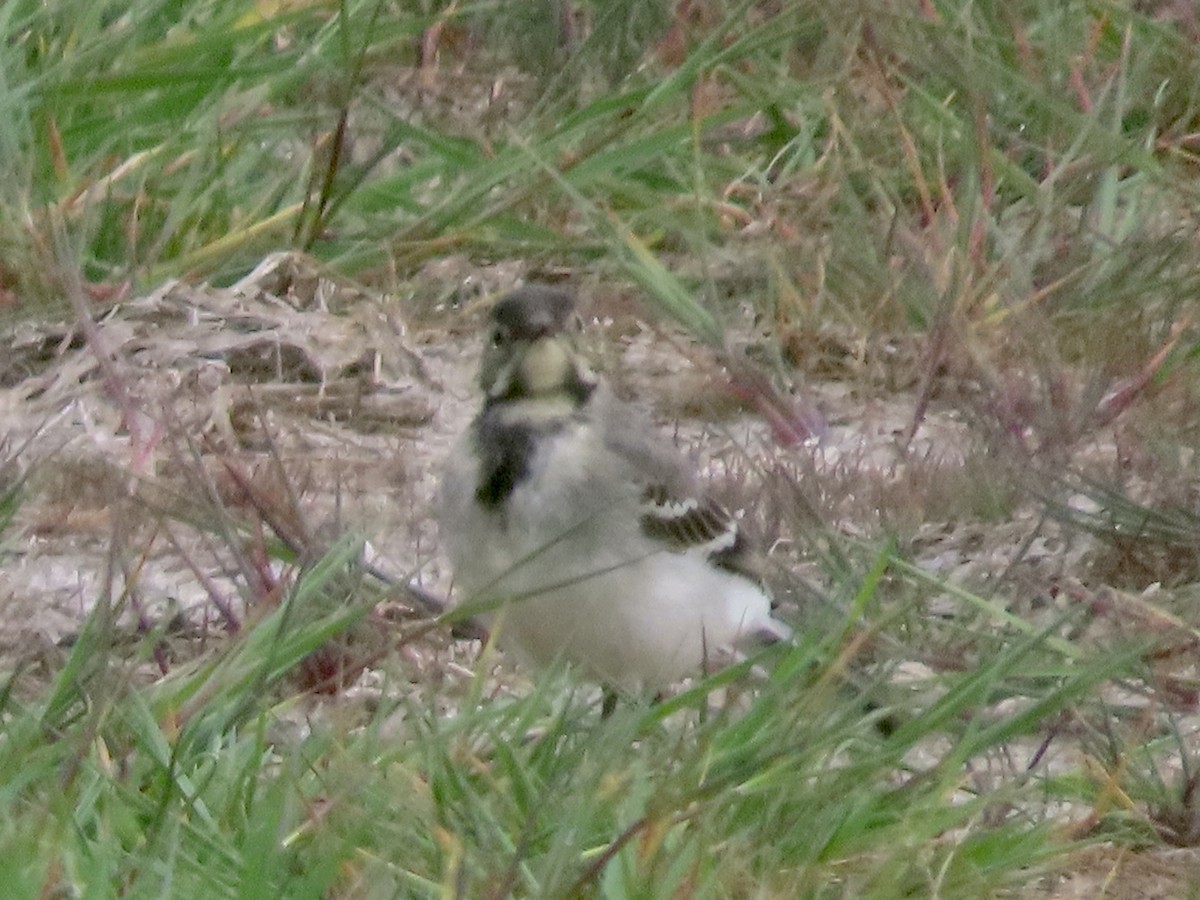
x: 577, y: 527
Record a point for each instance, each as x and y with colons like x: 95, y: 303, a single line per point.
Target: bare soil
x: 334, y: 407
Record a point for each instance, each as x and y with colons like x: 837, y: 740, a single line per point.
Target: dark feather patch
x: 506, y: 451
x: 692, y: 524
x: 505, y: 454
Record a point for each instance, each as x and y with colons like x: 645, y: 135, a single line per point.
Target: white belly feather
x: 576, y: 578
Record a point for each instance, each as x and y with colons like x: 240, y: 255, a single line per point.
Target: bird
x: 577, y: 530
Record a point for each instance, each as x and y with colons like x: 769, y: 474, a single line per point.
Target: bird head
x: 532, y: 351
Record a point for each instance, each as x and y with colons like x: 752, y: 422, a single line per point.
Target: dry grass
x: 939, y: 260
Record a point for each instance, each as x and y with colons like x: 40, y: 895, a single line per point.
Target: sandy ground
x: 346, y: 403
x: 292, y: 377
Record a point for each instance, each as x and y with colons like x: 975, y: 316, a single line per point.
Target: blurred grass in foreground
x: 1012, y: 183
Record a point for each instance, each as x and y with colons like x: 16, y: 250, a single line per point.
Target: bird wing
x: 673, y: 511
x: 690, y: 523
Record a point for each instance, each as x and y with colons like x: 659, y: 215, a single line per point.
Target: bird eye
x: 497, y: 338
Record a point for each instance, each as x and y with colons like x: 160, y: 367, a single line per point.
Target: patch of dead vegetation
x: 310, y: 388
x: 291, y: 406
